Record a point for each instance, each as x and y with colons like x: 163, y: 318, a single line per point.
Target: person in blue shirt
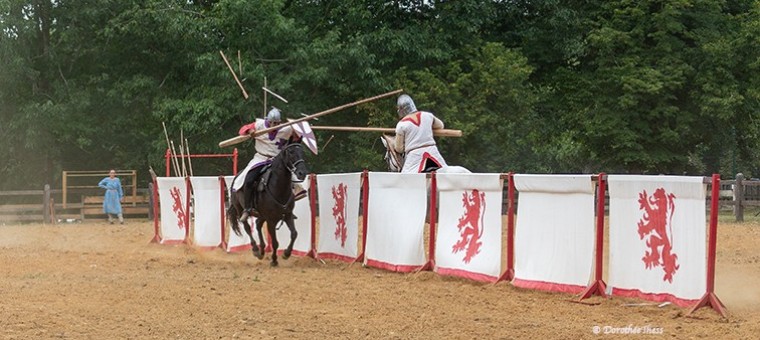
x: 114, y: 196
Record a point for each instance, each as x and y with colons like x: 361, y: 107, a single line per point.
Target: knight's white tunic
x: 267, y: 146
x: 414, y: 136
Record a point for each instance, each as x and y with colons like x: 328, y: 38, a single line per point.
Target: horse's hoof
x: 258, y: 254
x: 286, y: 254
x: 273, y: 263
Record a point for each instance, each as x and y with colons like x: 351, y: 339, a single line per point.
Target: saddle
x: 266, y: 172
x: 261, y: 184
x: 430, y: 166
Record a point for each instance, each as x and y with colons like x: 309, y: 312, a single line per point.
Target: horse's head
x: 393, y: 159
x: 292, y: 156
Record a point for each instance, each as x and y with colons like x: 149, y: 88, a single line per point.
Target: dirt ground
x: 99, y: 281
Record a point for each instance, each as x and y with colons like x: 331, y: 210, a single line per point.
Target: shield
x: 303, y: 130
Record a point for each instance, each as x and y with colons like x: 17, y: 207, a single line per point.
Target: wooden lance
x: 173, y: 154
x: 240, y: 139
x: 245, y: 94
x: 436, y: 132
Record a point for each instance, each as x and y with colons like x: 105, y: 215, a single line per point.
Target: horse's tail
x: 233, y: 218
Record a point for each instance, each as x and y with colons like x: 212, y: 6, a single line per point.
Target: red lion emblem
x: 178, y: 208
x: 658, y: 214
x: 339, y: 213
x: 470, y: 224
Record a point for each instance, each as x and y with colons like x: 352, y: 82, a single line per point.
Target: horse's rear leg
x: 293, y: 235
x: 272, y: 230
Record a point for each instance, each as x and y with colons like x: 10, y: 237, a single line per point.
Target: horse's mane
x: 281, y: 155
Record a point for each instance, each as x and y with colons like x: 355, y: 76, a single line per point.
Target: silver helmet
x: 405, y: 105
x: 274, y: 116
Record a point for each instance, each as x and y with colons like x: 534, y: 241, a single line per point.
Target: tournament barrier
x: 657, y: 249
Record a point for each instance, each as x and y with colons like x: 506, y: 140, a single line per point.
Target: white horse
x: 395, y: 160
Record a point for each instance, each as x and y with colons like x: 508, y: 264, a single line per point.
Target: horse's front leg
x: 293, y: 235
x: 258, y: 251
x: 272, y: 230
x: 247, y: 229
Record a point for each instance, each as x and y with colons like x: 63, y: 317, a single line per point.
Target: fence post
x: 739, y: 198
x: 168, y: 162
x: 134, y: 187
x: 234, y: 162
x: 64, y: 189
x: 46, y: 204
x: 150, y: 201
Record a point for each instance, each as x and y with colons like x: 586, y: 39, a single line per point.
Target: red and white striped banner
x: 396, y: 221
x: 657, y: 237
x: 469, y: 234
x: 172, y: 192
x: 554, y: 236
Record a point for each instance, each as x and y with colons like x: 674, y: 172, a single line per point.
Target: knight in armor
x: 414, y: 137
x: 267, y: 146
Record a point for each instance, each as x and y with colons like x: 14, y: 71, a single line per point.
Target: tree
x: 640, y: 85
x: 550, y: 86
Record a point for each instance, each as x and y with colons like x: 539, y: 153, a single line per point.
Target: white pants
x: 257, y: 159
x: 414, y: 160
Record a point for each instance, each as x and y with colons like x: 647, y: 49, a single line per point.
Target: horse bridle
x: 292, y: 166
x: 292, y: 169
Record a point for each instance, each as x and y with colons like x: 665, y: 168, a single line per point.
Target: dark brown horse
x: 274, y: 202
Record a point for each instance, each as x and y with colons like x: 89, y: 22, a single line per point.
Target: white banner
x: 468, y: 242
x: 172, y: 192
x: 657, y: 237
x: 396, y: 221
x: 339, y: 196
x: 207, y: 212
x: 237, y: 243
x: 302, y: 211
x: 554, y: 233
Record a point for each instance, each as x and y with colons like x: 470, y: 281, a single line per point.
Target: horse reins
x: 291, y: 169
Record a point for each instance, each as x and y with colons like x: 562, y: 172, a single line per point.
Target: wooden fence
x: 47, y: 205
x: 70, y: 184
x: 739, y: 194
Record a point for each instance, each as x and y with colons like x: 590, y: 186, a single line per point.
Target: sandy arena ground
x: 99, y: 281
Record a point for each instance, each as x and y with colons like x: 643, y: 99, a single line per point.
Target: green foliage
x: 550, y: 86
x: 653, y: 82
x: 491, y: 103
